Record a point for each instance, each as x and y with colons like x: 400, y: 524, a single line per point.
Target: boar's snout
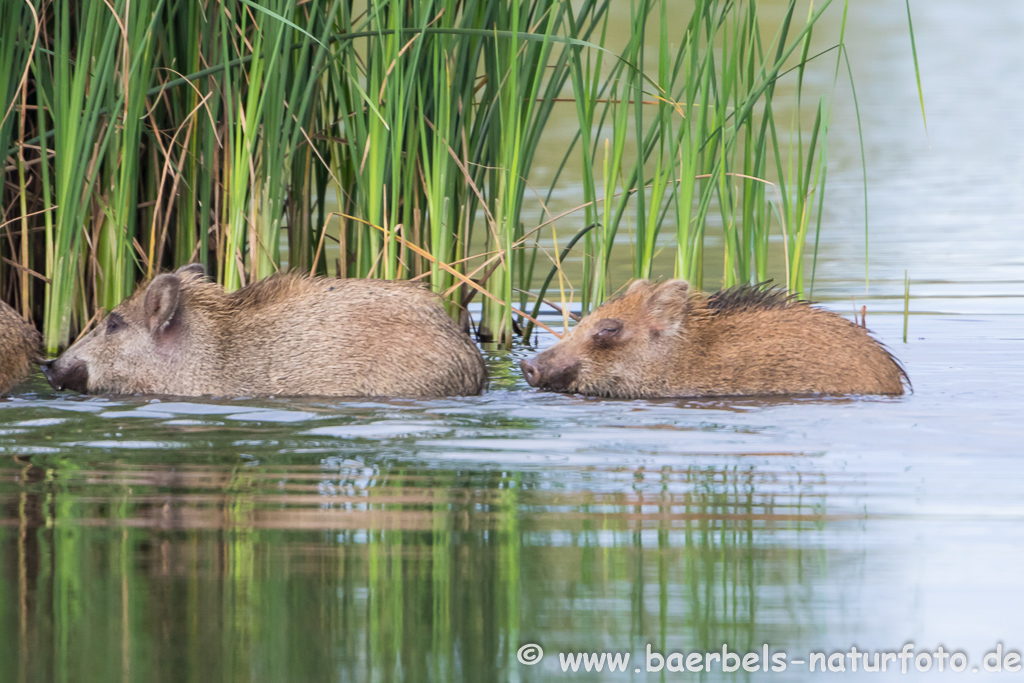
x: 547, y: 373
x: 530, y: 372
x: 73, y: 375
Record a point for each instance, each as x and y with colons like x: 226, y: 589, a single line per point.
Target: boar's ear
x: 194, y: 269
x: 668, y: 306
x: 163, y: 297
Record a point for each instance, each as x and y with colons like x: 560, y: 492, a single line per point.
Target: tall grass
x: 396, y: 140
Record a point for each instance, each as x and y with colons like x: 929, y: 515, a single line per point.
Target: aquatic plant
x: 397, y: 141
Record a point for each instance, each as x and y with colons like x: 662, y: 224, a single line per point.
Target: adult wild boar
x: 19, y: 346
x: 286, y: 335
x: 666, y: 340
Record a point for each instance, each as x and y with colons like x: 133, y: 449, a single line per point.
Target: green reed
x: 396, y: 140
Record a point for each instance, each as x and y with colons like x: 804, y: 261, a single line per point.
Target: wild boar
x: 19, y: 347
x: 286, y: 335
x: 666, y: 340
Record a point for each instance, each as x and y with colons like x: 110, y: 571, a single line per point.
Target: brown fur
x: 286, y: 335
x: 19, y: 347
x: 664, y: 340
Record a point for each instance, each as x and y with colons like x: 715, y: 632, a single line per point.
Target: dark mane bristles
x: 760, y: 297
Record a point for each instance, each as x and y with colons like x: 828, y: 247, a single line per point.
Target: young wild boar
x: 287, y: 335
x: 19, y: 346
x: 665, y: 340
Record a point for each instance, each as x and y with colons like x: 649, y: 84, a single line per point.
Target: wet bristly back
x: 757, y: 340
x: 19, y: 346
x: 375, y: 337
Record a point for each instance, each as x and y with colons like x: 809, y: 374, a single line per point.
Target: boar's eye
x: 607, y: 329
x: 114, y: 323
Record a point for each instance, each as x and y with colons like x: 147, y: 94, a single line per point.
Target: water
x: 313, y: 540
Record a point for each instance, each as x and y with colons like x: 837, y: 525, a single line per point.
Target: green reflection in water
x: 126, y: 568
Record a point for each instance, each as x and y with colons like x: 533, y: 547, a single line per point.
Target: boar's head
x: 143, y: 346
x: 622, y: 349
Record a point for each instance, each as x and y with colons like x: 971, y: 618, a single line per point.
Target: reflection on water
x: 307, y: 540
x: 245, y: 557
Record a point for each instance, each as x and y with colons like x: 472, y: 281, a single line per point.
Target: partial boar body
x: 286, y: 335
x: 19, y: 347
x: 666, y: 340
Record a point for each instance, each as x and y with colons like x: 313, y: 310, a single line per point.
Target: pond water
x: 324, y: 540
